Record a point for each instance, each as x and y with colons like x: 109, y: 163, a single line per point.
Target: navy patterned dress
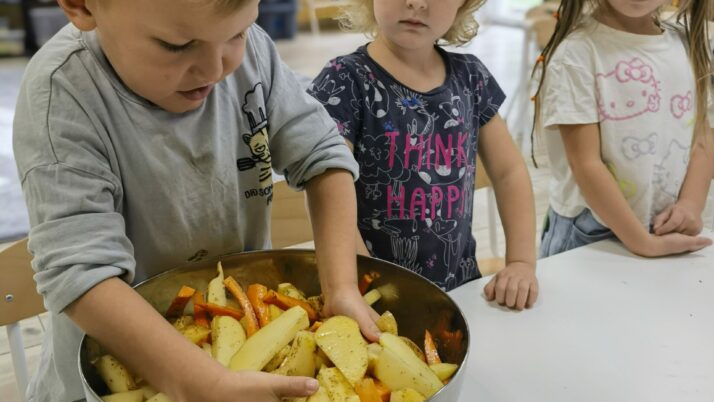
x: 417, y: 157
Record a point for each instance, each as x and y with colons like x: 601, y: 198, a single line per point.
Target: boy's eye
x: 175, y: 48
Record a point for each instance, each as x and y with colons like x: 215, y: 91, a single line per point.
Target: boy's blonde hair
x: 358, y: 16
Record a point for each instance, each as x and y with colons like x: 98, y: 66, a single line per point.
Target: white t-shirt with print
x: 641, y: 90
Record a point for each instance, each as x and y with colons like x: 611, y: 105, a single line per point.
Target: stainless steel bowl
x: 416, y: 303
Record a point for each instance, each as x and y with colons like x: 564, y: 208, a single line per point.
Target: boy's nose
x: 209, y: 67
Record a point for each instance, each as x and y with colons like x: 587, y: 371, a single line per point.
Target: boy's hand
x: 672, y: 243
x: 515, y: 286
x: 679, y: 218
x: 253, y: 386
x: 348, y: 301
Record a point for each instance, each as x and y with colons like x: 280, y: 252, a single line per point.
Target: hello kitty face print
x: 639, y: 91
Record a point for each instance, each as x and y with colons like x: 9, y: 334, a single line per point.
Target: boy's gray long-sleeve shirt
x: 116, y: 186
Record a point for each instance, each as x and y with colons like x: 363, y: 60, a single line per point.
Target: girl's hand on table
x: 515, y: 286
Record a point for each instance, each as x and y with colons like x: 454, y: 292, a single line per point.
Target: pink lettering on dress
x: 392, y: 145
x: 399, y: 200
x: 420, y: 202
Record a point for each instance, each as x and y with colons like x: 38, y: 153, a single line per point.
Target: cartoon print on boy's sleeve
x: 377, y: 98
x: 257, y: 142
x: 638, y: 85
x: 633, y: 147
x: 628, y: 188
x: 679, y: 105
x: 677, y: 153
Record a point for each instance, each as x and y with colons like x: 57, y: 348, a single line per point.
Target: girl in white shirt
x: 622, y: 107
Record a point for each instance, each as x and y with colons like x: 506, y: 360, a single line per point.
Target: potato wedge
x: 216, y: 288
x: 373, y: 351
x: 406, y: 395
x: 387, y: 323
x: 196, y: 333
x: 444, y: 370
x: 300, y: 360
x: 320, y: 395
x: 182, y: 322
x: 372, y: 296
x: 398, y: 367
x: 337, y: 386
x: 126, y: 396
x: 264, y: 344
x: 288, y: 289
x: 115, y: 375
x: 321, y: 359
x: 278, y: 359
x: 341, y: 340
x: 228, y: 336
x: 275, y: 311
x: 414, y: 347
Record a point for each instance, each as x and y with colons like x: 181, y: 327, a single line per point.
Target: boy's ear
x: 78, y: 14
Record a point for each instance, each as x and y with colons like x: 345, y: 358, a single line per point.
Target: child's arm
x: 685, y: 216
x: 333, y: 213
x: 516, y: 285
x: 125, y: 324
x: 603, y: 195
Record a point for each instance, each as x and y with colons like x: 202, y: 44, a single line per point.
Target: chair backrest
x: 18, y: 293
x: 289, y: 224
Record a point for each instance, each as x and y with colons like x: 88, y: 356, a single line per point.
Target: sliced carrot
x: 367, y: 391
x: 252, y: 325
x: 214, y: 310
x: 286, y: 302
x: 199, y: 312
x: 432, y: 355
x: 367, y: 280
x: 384, y: 391
x: 315, y: 325
x: 179, y: 303
x: 256, y: 293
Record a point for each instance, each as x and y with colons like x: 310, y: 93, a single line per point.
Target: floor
x: 499, y: 48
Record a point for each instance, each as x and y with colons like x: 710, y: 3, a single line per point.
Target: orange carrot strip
x: 367, y: 391
x: 367, y: 280
x: 256, y: 292
x: 384, y: 391
x: 315, y: 325
x: 179, y: 303
x: 432, y: 355
x: 286, y: 302
x: 252, y: 325
x: 199, y: 312
x: 215, y: 309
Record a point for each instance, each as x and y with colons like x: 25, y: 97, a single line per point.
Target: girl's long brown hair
x: 693, y: 15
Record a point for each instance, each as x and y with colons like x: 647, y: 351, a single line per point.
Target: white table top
x: 608, y: 326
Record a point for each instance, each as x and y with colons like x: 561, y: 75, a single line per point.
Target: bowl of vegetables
x: 261, y: 310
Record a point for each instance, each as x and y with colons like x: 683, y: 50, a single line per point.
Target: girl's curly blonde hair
x: 358, y: 16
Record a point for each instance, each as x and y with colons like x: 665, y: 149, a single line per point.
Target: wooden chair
x: 19, y: 301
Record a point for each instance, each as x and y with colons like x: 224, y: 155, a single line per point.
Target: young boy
x: 145, y: 135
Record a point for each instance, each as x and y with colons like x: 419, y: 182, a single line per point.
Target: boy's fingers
x: 285, y: 387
